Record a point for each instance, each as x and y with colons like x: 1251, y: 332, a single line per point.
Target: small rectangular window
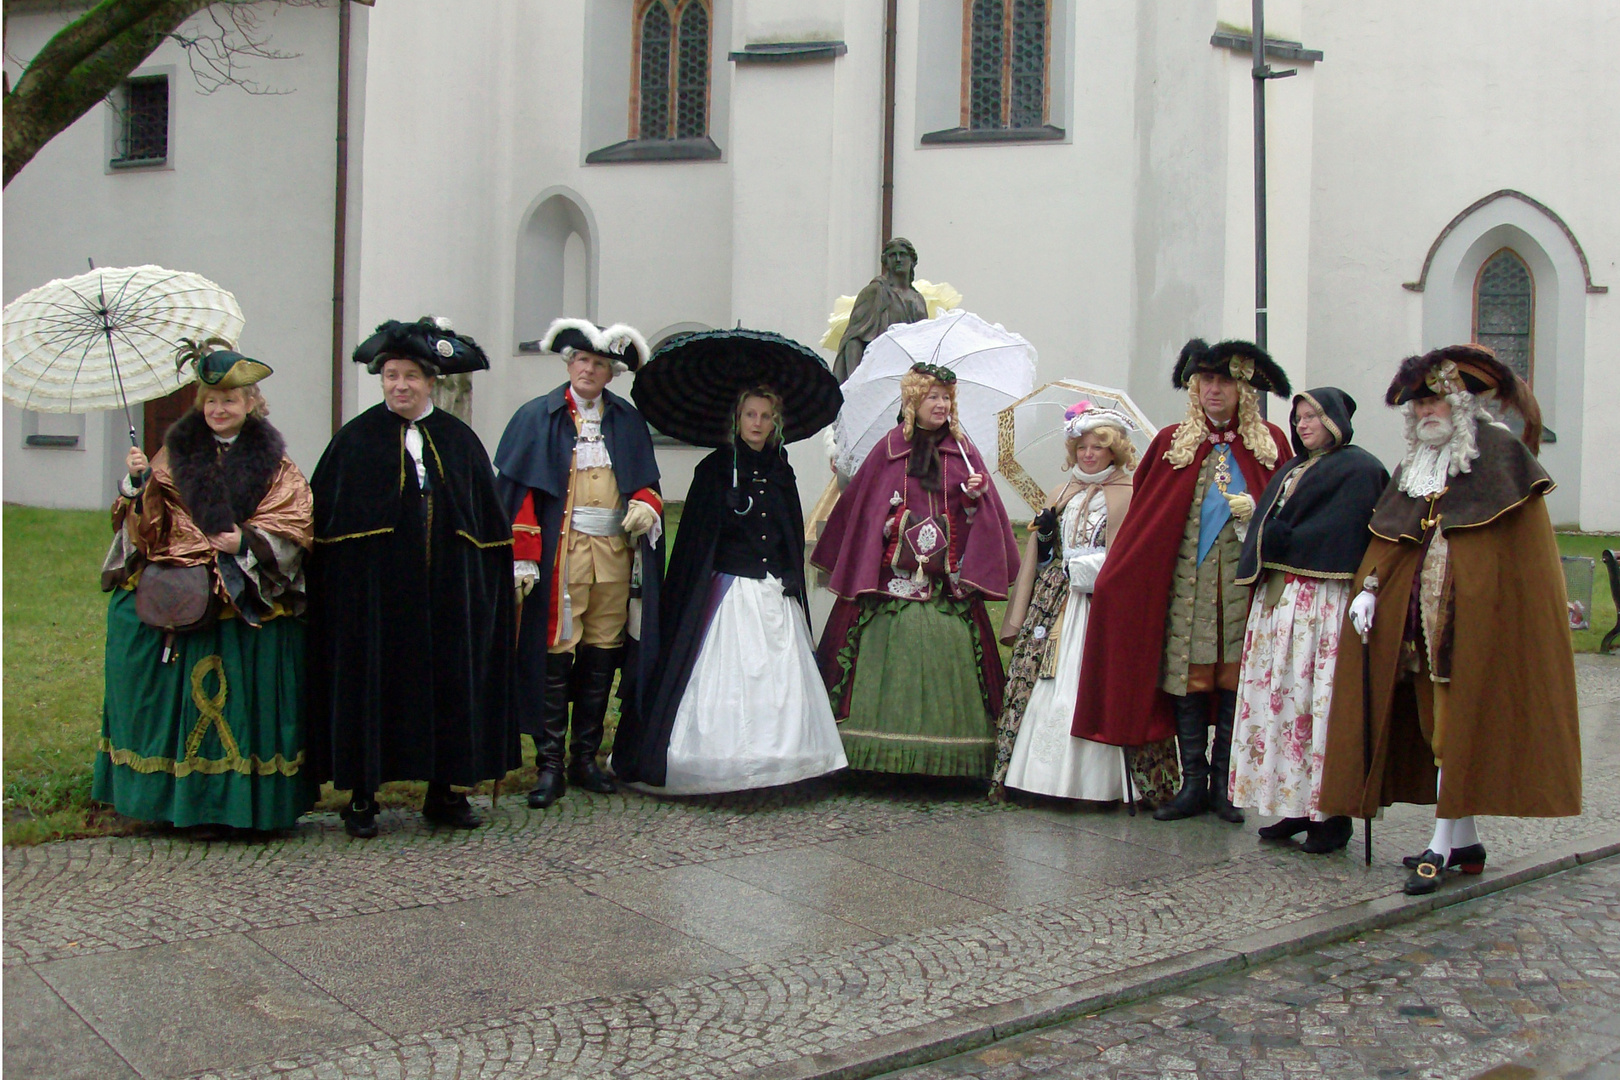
x: 143, y: 112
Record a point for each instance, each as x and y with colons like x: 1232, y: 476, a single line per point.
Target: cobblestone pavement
x: 635, y: 937
x: 1521, y: 984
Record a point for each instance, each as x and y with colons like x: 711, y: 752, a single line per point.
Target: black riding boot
x: 1220, y: 759
x: 593, y: 683
x: 1192, y: 736
x: 548, y: 747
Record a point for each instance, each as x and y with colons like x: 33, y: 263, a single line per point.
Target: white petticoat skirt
x: 755, y: 712
x: 1046, y: 759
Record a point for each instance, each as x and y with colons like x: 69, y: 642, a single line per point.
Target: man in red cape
x: 1167, y: 618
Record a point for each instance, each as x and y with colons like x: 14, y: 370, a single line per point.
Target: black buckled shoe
x: 450, y: 808
x: 1286, y: 829
x: 1324, y: 837
x: 360, y: 819
x: 1469, y: 860
x: 1426, y: 875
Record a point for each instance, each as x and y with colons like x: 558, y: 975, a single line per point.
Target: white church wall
x: 1037, y: 236
x: 1421, y: 110
x: 245, y: 199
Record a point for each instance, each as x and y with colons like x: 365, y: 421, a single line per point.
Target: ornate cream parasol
x: 1029, y: 434
x: 107, y: 339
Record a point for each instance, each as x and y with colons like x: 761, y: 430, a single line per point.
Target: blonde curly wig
x: 1114, y: 439
x: 1195, y: 428
x: 914, y: 386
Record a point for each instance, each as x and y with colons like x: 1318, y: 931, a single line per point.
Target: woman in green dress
x: 204, y: 726
x: 915, y: 545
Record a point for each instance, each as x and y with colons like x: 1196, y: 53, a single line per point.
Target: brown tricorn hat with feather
x: 1475, y: 369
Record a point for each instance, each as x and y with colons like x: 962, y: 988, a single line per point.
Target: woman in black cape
x: 1304, y: 542
x: 739, y: 702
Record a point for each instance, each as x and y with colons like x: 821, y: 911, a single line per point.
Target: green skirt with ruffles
x: 917, y: 698
x: 212, y: 738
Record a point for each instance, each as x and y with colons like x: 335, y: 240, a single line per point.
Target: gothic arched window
x: 1005, y: 63
x: 1505, y: 310
x: 672, y: 69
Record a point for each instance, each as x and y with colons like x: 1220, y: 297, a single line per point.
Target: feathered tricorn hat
x: 218, y: 365
x: 620, y: 343
x: 1241, y: 360
x: 429, y: 341
x: 1471, y: 368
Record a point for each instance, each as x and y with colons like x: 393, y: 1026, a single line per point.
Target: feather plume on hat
x: 1472, y: 369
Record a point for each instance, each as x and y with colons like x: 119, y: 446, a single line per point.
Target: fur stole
x: 222, y: 489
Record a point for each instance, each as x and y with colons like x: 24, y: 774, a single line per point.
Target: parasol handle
x: 112, y: 353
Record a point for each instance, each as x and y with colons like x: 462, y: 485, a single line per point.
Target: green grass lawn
x: 54, y: 627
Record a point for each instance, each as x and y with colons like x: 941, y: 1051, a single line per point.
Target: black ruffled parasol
x: 690, y: 386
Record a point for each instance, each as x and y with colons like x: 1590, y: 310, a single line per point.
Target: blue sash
x: 1215, y: 511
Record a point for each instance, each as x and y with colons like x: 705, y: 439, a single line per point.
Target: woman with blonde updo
x: 916, y: 544
x: 1046, y: 622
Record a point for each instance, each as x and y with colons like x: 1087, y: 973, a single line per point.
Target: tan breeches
x: 599, y: 615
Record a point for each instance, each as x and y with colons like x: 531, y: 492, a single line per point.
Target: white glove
x: 1242, y: 505
x: 1361, y: 612
x: 525, y: 572
x: 639, y: 518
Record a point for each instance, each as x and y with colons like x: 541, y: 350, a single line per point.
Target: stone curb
x: 982, y: 1026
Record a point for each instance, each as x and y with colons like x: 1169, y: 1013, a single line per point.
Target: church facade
x: 1081, y: 172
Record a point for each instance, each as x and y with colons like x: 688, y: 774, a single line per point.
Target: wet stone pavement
x: 629, y: 936
x: 1514, y: 986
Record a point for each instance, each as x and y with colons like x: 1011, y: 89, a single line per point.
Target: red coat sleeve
x: 526, y: 539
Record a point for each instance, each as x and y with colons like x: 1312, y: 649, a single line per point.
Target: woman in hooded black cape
x: 739, y: 702
x: 1304, y: 542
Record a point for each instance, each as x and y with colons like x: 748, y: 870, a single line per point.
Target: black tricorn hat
x: 428, y: 341
x: 1240, y: 360
x: 1473, y: 368
x: 620, y: 343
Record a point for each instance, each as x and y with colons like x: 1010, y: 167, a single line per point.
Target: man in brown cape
x: 1463, y: 608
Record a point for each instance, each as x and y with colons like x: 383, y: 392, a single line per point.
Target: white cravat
x: 413, y: 446
x: 590, y: 452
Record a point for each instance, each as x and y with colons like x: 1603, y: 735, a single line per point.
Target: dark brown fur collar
x: 222, y: 488
x: 1504, y: 475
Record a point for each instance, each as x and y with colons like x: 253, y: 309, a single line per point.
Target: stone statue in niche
x: 888, y: 299
x: 453, y: 394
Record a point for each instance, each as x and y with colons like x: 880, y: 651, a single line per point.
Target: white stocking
x: 1463, y: 833
x: 1441, y: 844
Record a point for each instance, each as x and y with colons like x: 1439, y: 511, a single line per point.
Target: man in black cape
x: 579, y: 481
x: 410, y: 589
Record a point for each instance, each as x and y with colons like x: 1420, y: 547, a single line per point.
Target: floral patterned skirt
x: 1284, y: 689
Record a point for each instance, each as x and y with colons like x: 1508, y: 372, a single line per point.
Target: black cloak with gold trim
x: 411, y: 606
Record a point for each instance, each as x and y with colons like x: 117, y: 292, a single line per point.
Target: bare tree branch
x: 87, y: 59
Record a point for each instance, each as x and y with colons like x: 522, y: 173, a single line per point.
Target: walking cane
x: 1366, y: 737
x: 1130, y: 791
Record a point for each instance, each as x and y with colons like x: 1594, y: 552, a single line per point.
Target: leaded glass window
x: 984, y: 66
x: 1004, y: 72
x: 692, y: 77
x: 672, y: 54
x: 1504, y: 310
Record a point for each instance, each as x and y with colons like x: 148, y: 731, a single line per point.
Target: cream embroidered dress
x: 1046, y: 759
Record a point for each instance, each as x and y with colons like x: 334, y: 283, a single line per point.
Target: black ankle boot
x: 1286, y: 829
x: 442, y: 806
x: 1192, y: 735
x: 1327, y: 836
x: 593, y: 684
x: 548, y: 745
x: 1220, y: 759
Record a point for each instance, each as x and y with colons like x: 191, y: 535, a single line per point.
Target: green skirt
x: 215, y: 737
x: 917, y: 702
